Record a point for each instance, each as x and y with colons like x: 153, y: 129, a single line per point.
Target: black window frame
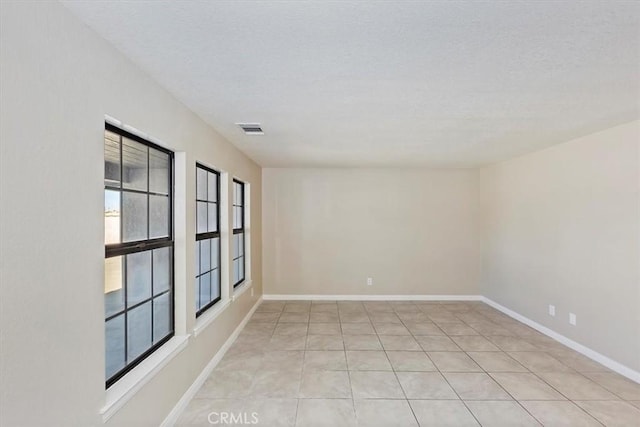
x: 127, y: 248
x: 209, y: 235
x: 240, y: 230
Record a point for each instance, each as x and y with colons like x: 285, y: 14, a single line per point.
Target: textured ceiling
x: 395, y: 83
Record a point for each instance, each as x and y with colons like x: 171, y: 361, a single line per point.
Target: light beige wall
x: 413, y: 231
x: 562, y: 226
x: 58, y: 80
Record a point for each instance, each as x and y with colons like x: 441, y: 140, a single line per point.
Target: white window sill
x: 209, y: 316
x: 122, y: 391
x: 241, y: 289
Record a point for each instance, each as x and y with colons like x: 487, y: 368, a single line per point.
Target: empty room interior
x: 320, y: 213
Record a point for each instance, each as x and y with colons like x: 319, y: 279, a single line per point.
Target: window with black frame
x: 138, y: 285
x: 207, y: 290
x: 238, y: 233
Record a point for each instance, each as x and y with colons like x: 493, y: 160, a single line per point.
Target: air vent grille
x: 251, y: 128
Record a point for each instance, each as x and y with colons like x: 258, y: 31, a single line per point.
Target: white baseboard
x: 591, y: 354
x: 173, y: 416
x: 372, y: 297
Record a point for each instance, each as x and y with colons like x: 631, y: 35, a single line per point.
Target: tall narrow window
x: 207, y: 283
x: 138, y: 285
x: 238, y: 233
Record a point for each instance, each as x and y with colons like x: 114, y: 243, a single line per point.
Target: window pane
x: 158, y: 171
x: 196, y: 293
x: 111, y: 217
x: 201, y: 184
x: 114, y: 342
x: 236, y: 271
x: 213, y: 217
x: 202, y: 218
x: 161, y: 270
x: 213, y: 187
x: 236, y: 246
x: 205, y: 289
x: 134, y: 165
x: 197, y: 258
x: 205, y: 255
x: 111, y: 159
x: 134, y: 216
x: 236, y: 217
x: 215, y: 284
x: 241, y: 267
x: 215, y: 251
x: 158, y: 216
x: 161, y: 317
x: 138, y: 330
x: 138, y: 277
x: 241, y: 244
x: 238, y: 194
x: 113, y: 286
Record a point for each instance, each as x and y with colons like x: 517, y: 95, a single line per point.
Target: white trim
x: 175, y: 413
x: 126, y: 387
x: 373, y: 297
x: 591, y: 354
x: 241, y: 289
x: 209, y: 316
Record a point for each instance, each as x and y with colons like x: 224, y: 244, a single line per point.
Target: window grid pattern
x: 138, y: 250
x: 207, y: 282
x: 239, y: 234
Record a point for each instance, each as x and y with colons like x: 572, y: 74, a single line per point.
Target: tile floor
x: 351, y: 363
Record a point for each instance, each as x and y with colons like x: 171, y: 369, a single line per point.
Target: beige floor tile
x: 362, y: 342
x: 293, y: 317
x: 612, y: 413
x: 476, y: 386
x: 259, y: 328
x: 384, y: 317
x: 492, y: 361
x: 297, y: 307
x: 501, y: 414
x: 414, y: 317
x: 276, y: 383
x: 268, y: 412
x: 437, y: 343
x: 442, y: 413
x: 357, y: 329
x: 453, y: 361
x: 324, y: 329
x: 324, y: 307
x: 375, y: 385
x: 329, y: 360
x: 200, y: 411
x: 291, y: 329
x: 424, y: 328
x: 442, y: 317
x: 559, y: 414
x: 635, y: 403
x: 326, y: 413
x: 452, y: 329
x: 378, y: 306
x: 325, y: 384
x: 384, y: 413
x: 324, y: 342
x: 577, y: 361
x: 324, y: 317
x: 240, y: 361
x: 425, y: 385
x: 576, y: 386
x: 616, y: 384
x: 270, y: 306
x: 368, y: 360
x: 410, y: 361
x: 391, y: 329
x: 226, y: 384
x: 290, y: 360
x: 399, y: 342
x: 265, y: 316
x: 354, y: 317
x: 526, y: 386
x: 351, y: 306
x: 287, y: 342
x: 474, y: 343
x: 509, y: 343
x: 537, y: 361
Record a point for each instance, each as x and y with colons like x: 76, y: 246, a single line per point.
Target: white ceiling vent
x: 251, y: 128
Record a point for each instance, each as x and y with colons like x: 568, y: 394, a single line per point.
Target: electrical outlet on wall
x: 552, y: 310
x: 572, y: 319
x: 369, y: 281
